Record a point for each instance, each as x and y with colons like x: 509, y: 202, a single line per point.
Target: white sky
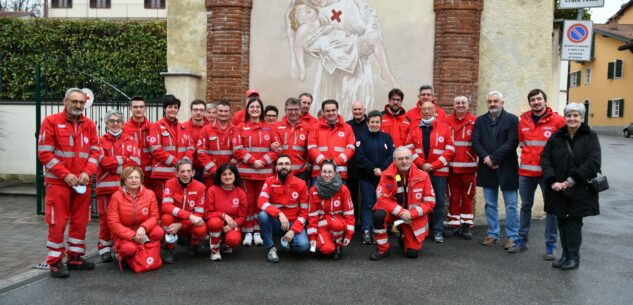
x: 601, y: 14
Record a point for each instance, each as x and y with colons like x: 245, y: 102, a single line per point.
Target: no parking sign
x: 577, y: 40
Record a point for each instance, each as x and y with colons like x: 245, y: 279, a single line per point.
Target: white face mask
x: 116, y: 134
x: 428, y: 122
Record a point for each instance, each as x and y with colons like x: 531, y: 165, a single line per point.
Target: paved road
x: 458, y: 271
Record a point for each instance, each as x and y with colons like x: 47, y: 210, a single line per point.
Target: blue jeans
x: 510, y: 198
x: 270, y: 227
x: 527, y: 188
x: 368, y: 192
x: 439, y: 187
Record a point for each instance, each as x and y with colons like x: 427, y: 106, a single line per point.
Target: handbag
x: 146, y: 258
x: 597, y: 184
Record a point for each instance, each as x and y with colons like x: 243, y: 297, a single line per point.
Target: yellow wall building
x: 606, y: 82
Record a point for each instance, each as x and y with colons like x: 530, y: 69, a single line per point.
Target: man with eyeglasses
x: 193, y: 127
x: 271, y: 114
x: 138, y: 127
x: 405, y: 197
x: 426, y: 95
x: 284, y: 210
x: 68, y: 147
x: 395, y: 122
x: 293, y: 134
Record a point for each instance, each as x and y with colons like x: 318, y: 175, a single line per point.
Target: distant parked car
x: 628, y: 130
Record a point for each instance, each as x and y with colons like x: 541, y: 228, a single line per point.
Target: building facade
x: 106, y: 9
x: 604, y: 84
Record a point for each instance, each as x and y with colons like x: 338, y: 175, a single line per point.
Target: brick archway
x: 456, y: 54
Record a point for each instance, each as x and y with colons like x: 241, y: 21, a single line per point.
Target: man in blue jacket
x: 359, y: 125
x: 495, y: 140
x: 374, y: 153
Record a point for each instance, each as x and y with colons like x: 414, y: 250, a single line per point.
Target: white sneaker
x: 257, y: 239
x: 272, y: 255
x: 248, y: 240
x: 215, y: 256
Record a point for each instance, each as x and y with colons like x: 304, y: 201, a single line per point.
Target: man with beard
x: 293, y: 134
x: 68, y: 148
x: 495, y: 141
x: 284, y: 210
x: 395, y: 122
x: 215, y: 145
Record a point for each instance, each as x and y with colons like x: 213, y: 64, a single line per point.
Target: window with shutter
x: 621, y: 110
x: 609, y: 108
x: 618, y: 68
x: 154, y: 4
x: 61, y: 3
x: 100, y: 3
x: 588, y: 76
x: 610, y: 70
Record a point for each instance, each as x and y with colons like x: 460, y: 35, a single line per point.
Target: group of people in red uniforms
x: 223, y: 180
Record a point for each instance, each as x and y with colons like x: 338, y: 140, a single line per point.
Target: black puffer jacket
x: 558, y: 165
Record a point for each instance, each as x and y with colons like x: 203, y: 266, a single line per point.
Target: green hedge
x: 127, y: 54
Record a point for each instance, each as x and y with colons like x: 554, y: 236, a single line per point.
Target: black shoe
x: 466, y: 232
x: 559, y: 262
x: 59, y: 270
x: 338, y: 253
x: 106, y: 257
x: 376, y: 256
x: 78, y: 263
x: 366, y: 238
x: 168, y: 256
x: 453, y: 232
x: 570, y: 264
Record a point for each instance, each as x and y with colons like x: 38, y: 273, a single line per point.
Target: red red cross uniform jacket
x: 194, y: 133
x: 465, y: 158
x: 251, y: 142
x: 323, y: 212
x: 181, y: 202
x: 168, y: 144
x: 441, y: 151
x: 215, y: 147
x: 116, y: 154
x: 140, y: 132
x: 331, y: 142
x: 294, y: 142
x: 533, y: 137
x: 66, y: 147
x: 308, y: 120
x: 291, y: 198
x: 396, y: 125
x: 420, y: 198
x: 231, y: 202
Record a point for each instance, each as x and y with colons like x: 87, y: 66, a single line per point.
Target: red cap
x: 250, y: 92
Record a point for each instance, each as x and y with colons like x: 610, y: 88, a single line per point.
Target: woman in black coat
x: 568, y: 195
x: 374, y: 153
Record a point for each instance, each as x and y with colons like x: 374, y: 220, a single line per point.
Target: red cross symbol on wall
x: 336, y: 16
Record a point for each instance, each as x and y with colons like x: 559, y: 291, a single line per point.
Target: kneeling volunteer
x: 331, y: 213
x: 133, y: 214
x: 183, y: 208
x: 225, y: 210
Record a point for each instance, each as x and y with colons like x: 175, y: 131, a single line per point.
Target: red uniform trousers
x: 330, y: 235
x: 406, y: 234
x: 194, y: 233
x: 252, y: 188
x: 461, y: 196
x: 105, y: 237
x: 62, y: 203
x: 158, y: 188
x: 127, y: 248
x: 232, y: 238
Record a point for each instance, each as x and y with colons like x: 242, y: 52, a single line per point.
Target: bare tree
x: 33, y: 6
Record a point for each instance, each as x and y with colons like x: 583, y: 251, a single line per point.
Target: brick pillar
x: 456, y: 58
x: 228, y: 43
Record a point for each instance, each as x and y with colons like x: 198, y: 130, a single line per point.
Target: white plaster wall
x: 118, y: 9
x: 515, y: 51
x: 408, y: 37
x: 17, y: 142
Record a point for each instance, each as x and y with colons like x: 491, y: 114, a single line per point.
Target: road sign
x: 577, y: 40
x: 581, y: 3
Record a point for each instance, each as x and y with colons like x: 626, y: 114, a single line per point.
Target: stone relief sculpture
x: 340, y: 35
